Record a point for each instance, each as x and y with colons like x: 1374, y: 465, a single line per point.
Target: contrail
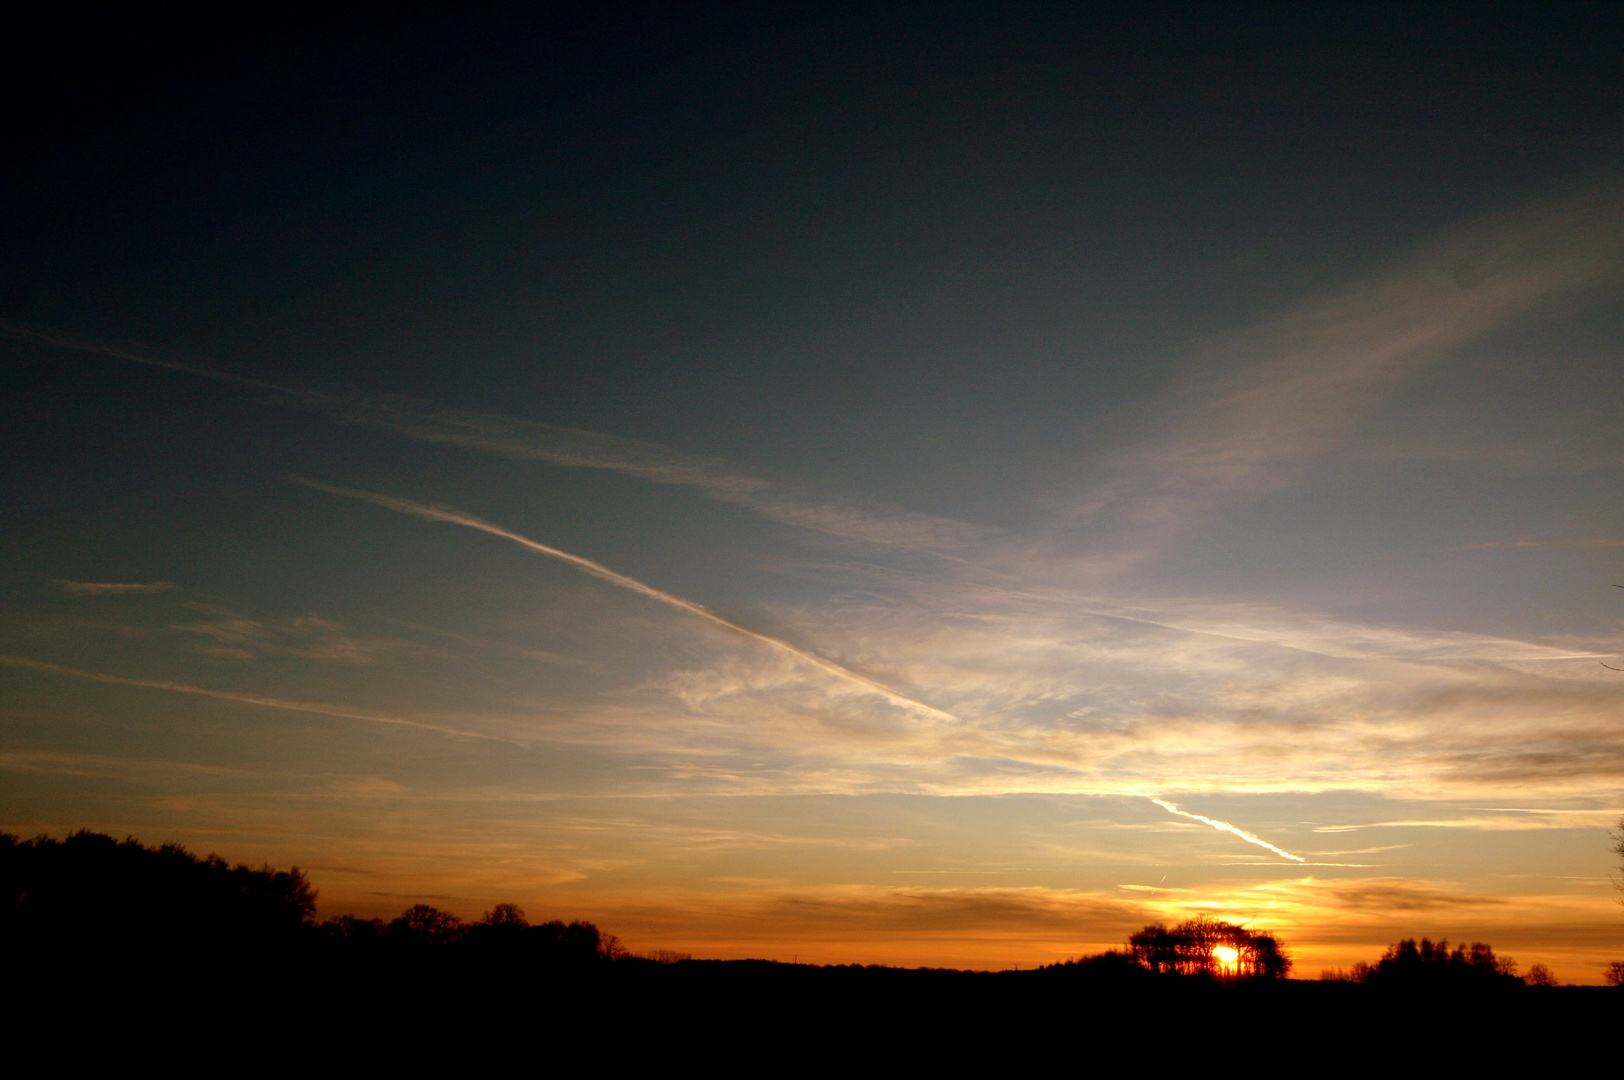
x: 80, y: 343
x: 452, y: 516
x: 530, y: 440
x: 598, y: 570
x: 1224, y: 826
x: 342, y: 712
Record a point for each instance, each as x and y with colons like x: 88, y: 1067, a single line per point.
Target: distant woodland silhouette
x: 1432, y: 964
x: 92, y: 893
x: 502, y: 934
x: 116, y: 928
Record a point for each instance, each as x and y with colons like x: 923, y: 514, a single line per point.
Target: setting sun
x: 1226, y: 957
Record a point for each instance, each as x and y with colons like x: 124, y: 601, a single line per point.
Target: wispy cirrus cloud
x: 1260, y: 405
x: 115, y: 588
x: 530, y: 440
x: 1510, y: 820
x: 106, y: 766
x: 551, y: 444
x: 1080, y: 700
x: 222, y: 633
x: 339, y: 712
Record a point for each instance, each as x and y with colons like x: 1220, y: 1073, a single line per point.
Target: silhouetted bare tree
x: 1539, y: 975
x: 427, y: 925
x: 1618, y: 849
x: 505, y: 915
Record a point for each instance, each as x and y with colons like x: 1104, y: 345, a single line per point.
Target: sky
x: 939, y: 485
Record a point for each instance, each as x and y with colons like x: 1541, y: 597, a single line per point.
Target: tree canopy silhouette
x: 503, y: 936
x: 1434, y: 964
x: 93, y: 888
x: 1209, y: 947
x: 93, y: 896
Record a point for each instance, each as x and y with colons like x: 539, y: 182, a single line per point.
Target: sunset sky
x: 941, y: 484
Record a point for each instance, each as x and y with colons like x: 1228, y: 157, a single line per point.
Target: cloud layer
x: 1069, y: 659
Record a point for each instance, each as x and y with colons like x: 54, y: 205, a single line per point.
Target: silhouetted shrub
x: 348, y: 928
x: 666, y: 956
x: 505, y: 915
x: 424, y: 924
x: 1539, y: 975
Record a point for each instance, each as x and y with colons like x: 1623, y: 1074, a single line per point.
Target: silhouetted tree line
x: 90, y: 899
x: 502, y: 934
x: 1201, y: 948
x: 1112, y: 966
x: 1209, y: 947
x: 92, y: 890
x: 92, y: 894
x: 1434, y: 964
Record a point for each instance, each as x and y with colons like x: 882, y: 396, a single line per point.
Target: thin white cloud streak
x: 1539, y: 820
x: 531, y: 440
x: 105, y: 765
x: 135, y: 354
x: 484, y: 644
x: 114, y: 588
x: 225, y: 634
x: 1344, y: 639
x: 339, y: 712
x: 453, y: 516
x: 1307, y: 632
x: 1224, y: 826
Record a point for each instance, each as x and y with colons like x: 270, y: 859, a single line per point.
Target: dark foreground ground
x: 440, y: 1010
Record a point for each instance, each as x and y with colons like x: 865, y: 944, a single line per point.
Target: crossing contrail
x: 1224, y: 826
x: 453, y: 516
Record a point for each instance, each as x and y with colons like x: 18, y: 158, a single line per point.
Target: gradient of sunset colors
x: 840, y: 486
